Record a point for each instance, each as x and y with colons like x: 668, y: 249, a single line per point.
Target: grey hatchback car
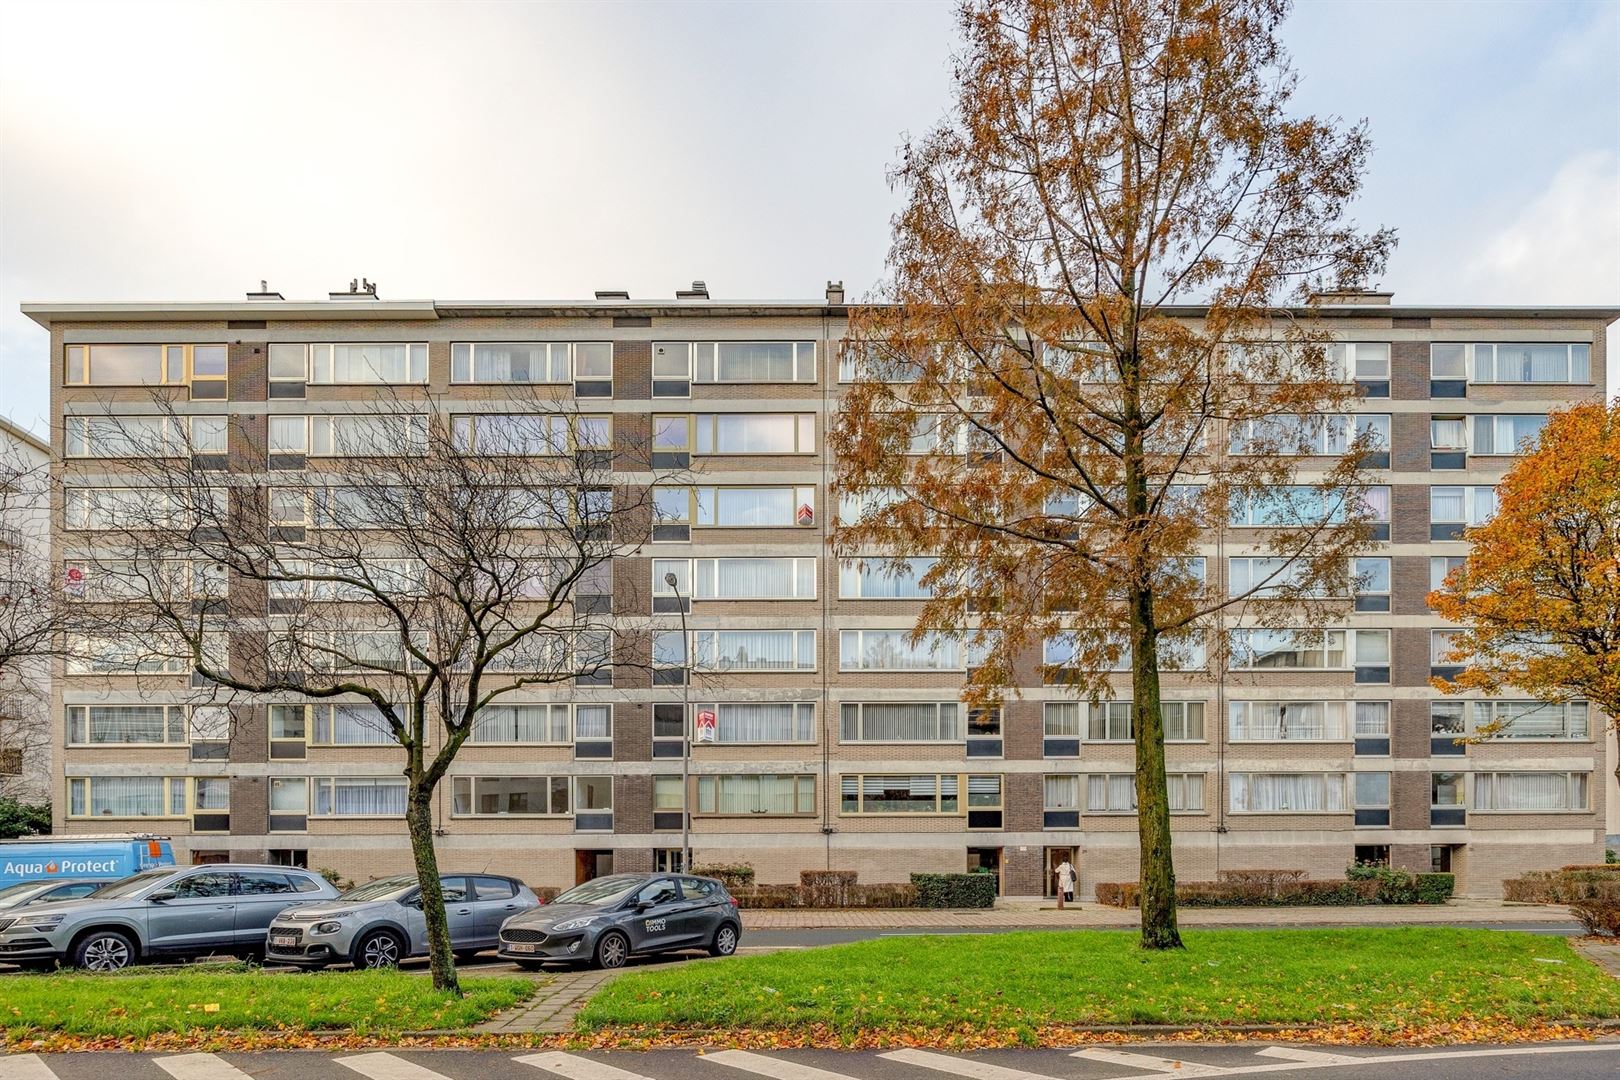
x: 607, y: 920
x: 378, y: 924
x: 168, y: 911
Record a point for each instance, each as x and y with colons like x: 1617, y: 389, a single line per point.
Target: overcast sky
x: 541, y: 151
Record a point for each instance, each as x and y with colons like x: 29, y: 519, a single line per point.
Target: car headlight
x: 330, y: 926
x: 40, y: 922
x: 575, y: 924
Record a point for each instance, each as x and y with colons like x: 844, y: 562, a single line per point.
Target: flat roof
x: 46, y: 314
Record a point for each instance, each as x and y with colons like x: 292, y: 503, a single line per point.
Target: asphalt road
x: 1563, y: 1061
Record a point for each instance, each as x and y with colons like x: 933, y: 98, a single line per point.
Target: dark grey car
x: 610, y: 919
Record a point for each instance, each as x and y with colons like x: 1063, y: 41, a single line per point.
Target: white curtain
x: 884, y: 579
x: 1062, y: 793
x: 762, y: 507
x: 352, y: 725
x: 1111, y: 792
x: 1298, y: 792
x: 1449, y: 434
x: 1186, y: 791
x: 762, y: 722
x: 1372, y: 719
x: 360, y: 796
x: 888, y: 650
x: 593, y: 722
x: 901, y: 721
x: 521, y: 724
x: 370, y: 363
x: 748, y: 579
x: 131, y: 724
x: 1062, y: 719
x: 754, y: 361
x: 1528, y: 791
x: 128, y: 796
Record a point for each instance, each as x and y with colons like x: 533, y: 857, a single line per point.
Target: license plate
x: 283, y: 940
x: 524, y: 946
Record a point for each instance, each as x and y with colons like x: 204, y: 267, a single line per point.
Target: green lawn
x: 228, y: 997
x: 1015, y: 984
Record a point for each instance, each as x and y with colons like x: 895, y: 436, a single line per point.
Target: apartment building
x: 25, y: 680
x: 829, y: 742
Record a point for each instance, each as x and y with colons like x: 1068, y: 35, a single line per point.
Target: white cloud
x: 1562, y: 247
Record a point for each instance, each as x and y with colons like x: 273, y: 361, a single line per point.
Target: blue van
x: 33, y: 858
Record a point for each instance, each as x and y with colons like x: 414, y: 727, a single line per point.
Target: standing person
x: 1065, y: 881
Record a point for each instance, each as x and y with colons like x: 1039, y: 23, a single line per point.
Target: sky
x: 482, y: 151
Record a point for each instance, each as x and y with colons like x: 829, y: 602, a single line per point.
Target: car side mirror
x: 160, y: 896
x: 642, y: 905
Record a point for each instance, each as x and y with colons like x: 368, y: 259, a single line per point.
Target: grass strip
x: 1016, y: 984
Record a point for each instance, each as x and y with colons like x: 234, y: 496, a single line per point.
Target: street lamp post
x: 686, y: 727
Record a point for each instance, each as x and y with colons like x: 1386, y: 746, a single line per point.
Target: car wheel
x: 376, y: 950
x: 103, y: 950
x: 612, y: 950
x: 725, y: 941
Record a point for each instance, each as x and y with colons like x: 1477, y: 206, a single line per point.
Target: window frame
x: 413, y: 350
x: 472, y: 781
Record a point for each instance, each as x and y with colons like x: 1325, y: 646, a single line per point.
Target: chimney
x: 359, y: 289
x: 612, y: 294
x: 698, y: 291
x: 264, y: 293
x: 835, y: 292
x: 1352, y: 298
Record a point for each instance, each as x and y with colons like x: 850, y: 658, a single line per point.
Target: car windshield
x: 131, y: 885
x: 602, y: 891
x: 19, y: 888
x: 376, y: 890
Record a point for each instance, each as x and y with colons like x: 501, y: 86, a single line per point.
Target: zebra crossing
x: 1092, y: 1063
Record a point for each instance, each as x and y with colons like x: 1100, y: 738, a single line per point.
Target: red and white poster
x: 807, y: 514
x: 707, y: 726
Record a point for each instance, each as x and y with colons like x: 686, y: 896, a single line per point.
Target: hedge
x: 1290, y: 888
x: 955, y: 890
x: 798, y: 896
x: 1559, y: 886
x: 731, y: 875
x: 1599, y: 911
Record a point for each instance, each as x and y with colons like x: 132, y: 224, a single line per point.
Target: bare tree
x: 1037, y: 411
x: 30, y: 619
x: 430, y: 565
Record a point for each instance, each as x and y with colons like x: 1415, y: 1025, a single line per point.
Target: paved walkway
x: 551, y: 1011
x: 1045, y: 915
x: 1605, y: 955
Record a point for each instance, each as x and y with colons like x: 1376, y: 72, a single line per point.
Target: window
x: 359, y: 796
x: 884, y: 579
x: 1507, y: 434
x: 127, y: 796
x: 1262, y: 649
x: 1065, y: 650
x: 1509, y: 719
x: 1296, y: 505
x: 110, y: 580
x: 361, y: 724
x: 751, y: 433
x: 1448, y: 790
x: 143, y: 436
x: 1110, y: 721
x: 531, y: 434
x: 668, y: 795
x: 509, y: 796
x: 1442, y: 643
x: 755, y: 507
x: 530, y: 362
x: 350, y: 434
x: 1115, y: 793
x: 925, y: 793
x: 1279, y: 793
x: 762, y: 721
x: 900, y: 721
x: 735, y: 361
x: 1461, y: 505
x: 1371, y: 790
x: 366, y: 363
x: 756, y: 794
x: 134, y: 508
x: 143, y: 365
x: 1360, y: 360
x: 1310, y: 435
x: 593, y: 795
x: 889, y: 650
x: 1291, y: 721
x: 289, y: 795
x: 1060, y: 793
x: 155, y: 655
x: 1061, y: 719
x: 1448, y: 433
x: 125, y: 725
x: 546, y: 724
x: 737, y: 579
x: 868, y: 504
x: 1531, y: 791
x: 1371, y: 720
x: 210, y: 794
x: 740, y: 650
x: 1539, y: 362
x: 1441, y: 567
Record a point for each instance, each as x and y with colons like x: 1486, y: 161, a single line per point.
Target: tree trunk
x: 419, y: 820
x: 1157, y: 872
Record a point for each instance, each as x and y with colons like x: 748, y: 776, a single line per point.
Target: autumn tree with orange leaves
x: 1538, y: 598
x: 1033, y: 408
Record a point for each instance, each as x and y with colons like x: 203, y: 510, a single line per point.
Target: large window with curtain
x: 1545, y: 792
x: 1110, y: 721
x: 1531, y: 719
x: 359, y: 796
x: 874, y: 578
x: 1507, y: 434
x: 370, y: 363
x: 1289, y: 721
x: 1297, y: 505
x: 741, y: 650
x: 352, y: 724
x: 764, y: 794
x: 762, y: 721
x: 899, y: 793
x: 1450, y: 504
x: 750, y: 507
x: 530, y: 361
x: 889, y: 650
x: 754, y: 433
x: 1314, y: 435
x: 737, y: 578
x: 113, y: 725
x: 1115, y: 793
x: 126, y: 796
x: 1513, y: 362
x: 527, y: 723
x: 900, y: 721
x: 1287, y: 793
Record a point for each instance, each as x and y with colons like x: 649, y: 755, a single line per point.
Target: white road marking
x: 774, y: 1067
x: 959, y: 1066
x: 388, y: 1067
x: 24, y: 1067
x: 576, y: 1068
x: 199, y: 1067
x: 1148, y: 1062
x: 1314, y: 1057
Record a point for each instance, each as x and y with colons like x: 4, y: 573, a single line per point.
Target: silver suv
x: 169, y: 911
x: 378, y: 924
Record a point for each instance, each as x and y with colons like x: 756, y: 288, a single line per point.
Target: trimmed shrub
x: 1435, y: 888
x: 955, y: 890
x: 1558, y: 886
x: 732, y: 875
x: 1260, y: 879
x: 826, y: 888
x: 1599, y: 911
x: 546, y: 893
x: 1117, y: 893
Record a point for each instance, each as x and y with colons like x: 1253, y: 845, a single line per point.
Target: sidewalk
x: 1044, y: 915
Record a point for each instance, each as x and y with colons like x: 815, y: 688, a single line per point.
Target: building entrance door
x: 1054, y: 858
x: 589, y: 865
